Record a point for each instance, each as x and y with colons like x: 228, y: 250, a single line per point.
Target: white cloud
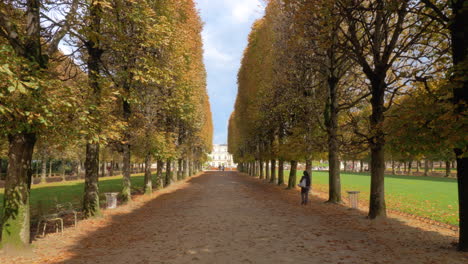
x: 233, y: 11
x: 245, y: 10
x: 212, y: 51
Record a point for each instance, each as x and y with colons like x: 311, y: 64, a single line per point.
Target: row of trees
x: 129, y: 86
x: 384, y: 79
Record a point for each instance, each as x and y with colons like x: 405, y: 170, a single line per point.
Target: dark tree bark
x: 459, y: 32
x: 273, y: 171
x: 2, y: 176
x: 16, y: 215
x: 91, y: 194
x: 148, y: 182
x: 309, y: 170
x: 159, y: 173
x: 91, y: 191
x: 292, y: 175
x: 377, y: 207
x: 267, y: 170
x: 112, y: 165
x: 280, y: 172
x: 331, y: 122
x: 168, y: 175
x: 126, y: 195
x: 361, y: 166
x: 447, y: 168
x: 179, y: 169
x: 260, y: 165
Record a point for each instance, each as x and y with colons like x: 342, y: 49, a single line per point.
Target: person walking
x: 304, y: 183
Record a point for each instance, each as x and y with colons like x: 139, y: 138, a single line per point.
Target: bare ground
x: 227, y: 217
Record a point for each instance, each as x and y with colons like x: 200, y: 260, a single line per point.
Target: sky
x: 227, y: 24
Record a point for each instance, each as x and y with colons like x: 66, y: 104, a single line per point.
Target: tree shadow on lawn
x: 386, y: 240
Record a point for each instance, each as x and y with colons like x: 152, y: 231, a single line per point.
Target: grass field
x: 45, y: 196
x: 431, y: 197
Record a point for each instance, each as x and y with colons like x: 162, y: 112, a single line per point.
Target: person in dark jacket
x: 305, y: 190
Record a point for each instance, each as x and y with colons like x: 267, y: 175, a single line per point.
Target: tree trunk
x: 2, y: 177
x: 273, y: 171
x: 447, y: 168
x: 459, y: 33
x: 159, y: 173
x: 426, y: 167
x: 309, y: 170
x: 112, y: 165
x: 361, y: 166
x: 179, y: 169
x: 260, y: 164
x: 418, y: 166
x: 280, y: 172
x: 256, y: 173
x: 44, y: 170
x: 410, y: 163
x: 190, y: 164
x: 185, y: 169
x: 377, y: 207
x: 267, y: 170
x: 91, y: 191
x: 334, y: 189
x: 168, y: 176
x: 50, y: 167
x: 16, y: 214
x: 331, y: 122
x: 292, y: 175
x: 148, y: 182
x: 126, y: 194
x: 462, y: 179
x: 103, y: 169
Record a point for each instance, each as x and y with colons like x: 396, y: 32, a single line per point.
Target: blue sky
x: 227, y: 25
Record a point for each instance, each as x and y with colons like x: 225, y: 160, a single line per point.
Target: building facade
x: 221, y: 157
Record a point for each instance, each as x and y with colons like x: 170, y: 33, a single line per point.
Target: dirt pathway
x: 225, y: 217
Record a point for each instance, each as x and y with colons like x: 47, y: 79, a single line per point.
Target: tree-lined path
x: 227, y: 217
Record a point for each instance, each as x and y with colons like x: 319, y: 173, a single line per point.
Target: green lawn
x: 431, y: 197
x: 45, y: 196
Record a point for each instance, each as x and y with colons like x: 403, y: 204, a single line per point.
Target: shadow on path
x: 227, y: 217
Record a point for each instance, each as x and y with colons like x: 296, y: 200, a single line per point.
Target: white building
x: 221, y: 157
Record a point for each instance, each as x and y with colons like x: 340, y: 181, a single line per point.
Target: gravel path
x: 226, y: 217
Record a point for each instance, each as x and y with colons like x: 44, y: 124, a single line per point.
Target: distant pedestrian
x: 304, y: 183
x: 219, y: 167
